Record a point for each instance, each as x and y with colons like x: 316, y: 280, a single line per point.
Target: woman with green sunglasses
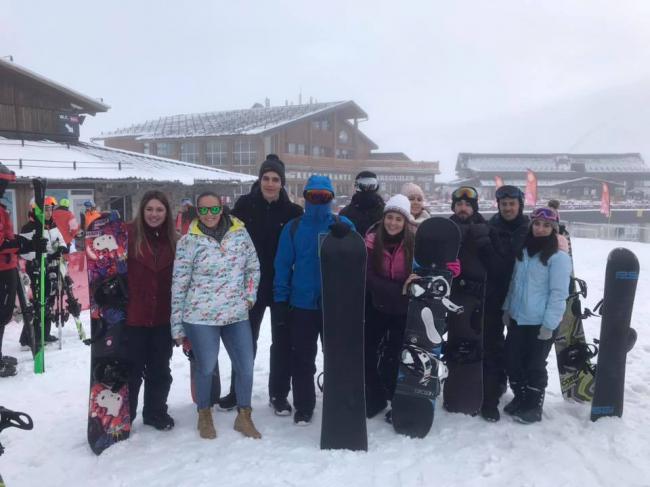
x: 216, y: 274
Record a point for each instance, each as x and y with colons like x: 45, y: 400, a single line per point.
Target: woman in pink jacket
x: 390, y: 243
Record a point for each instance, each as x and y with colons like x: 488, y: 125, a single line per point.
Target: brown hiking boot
x: 205, y: 425
x: 244, y: 424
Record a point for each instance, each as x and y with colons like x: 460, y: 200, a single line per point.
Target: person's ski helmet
x: 6, y: 176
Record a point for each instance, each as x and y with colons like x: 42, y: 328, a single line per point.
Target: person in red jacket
x: 65, y: 221
x: 152, y: 244
x: 10, y: 246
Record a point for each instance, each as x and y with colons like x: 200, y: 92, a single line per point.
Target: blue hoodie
x: 297, y: 265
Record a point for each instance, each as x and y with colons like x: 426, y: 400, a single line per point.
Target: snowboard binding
x: 112, y: 373
x: 14, y: 419
x: 577, y: 357
x: 423, y: 365
x: 435, y: 287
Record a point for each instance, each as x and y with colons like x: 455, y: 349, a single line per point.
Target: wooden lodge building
x: 39, y: 137
x: 561, y: 176
x: 321, y: 138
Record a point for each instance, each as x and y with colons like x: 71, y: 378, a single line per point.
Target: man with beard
x: 508, y: 230
x: 468, y: 290
x: 366, y: 207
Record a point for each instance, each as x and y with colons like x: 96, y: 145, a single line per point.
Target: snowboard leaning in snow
x: 616, y: 336
x: 437, y: 242
x: 106, y: 253
x: 343, y: 273
x: 576, y: 371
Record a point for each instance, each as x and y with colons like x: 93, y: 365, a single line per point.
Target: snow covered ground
x: 565, y: 449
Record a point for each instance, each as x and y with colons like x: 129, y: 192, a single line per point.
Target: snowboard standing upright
x: 577, y: 374
x: 343, y: 273
x: 437, y: 242
x: 616, y: 336
x: 106, y: 253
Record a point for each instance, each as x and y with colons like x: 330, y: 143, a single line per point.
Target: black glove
x: 339, y: 229
x: 36, y: 245
x: 280, y: 313
x: 480, y: 232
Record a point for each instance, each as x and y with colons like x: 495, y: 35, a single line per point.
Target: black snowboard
x: 343, y: 274
x: 616, y: 336
x: 437, y: 241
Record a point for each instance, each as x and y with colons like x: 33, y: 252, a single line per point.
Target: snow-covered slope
x: 565, y: 449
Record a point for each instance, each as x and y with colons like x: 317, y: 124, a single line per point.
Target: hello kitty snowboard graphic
x: 106, y: 252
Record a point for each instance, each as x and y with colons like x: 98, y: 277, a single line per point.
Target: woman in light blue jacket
x: 533, y: 309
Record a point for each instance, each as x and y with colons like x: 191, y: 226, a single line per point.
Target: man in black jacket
x: 265, y: 210
x: 366, y: 207
x: 468, y: 289
x: 508, y: 230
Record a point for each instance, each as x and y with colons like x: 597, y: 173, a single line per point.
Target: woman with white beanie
x: 390, y: 244
x: 415, y: 196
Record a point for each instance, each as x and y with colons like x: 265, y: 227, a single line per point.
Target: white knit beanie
x: 399, y: 204
x: 410, y: 189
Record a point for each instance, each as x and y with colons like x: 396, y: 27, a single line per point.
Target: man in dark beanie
x: 508, y: 229
x: 265, y: 210
x: 465, y: 343
x: 366, y: 207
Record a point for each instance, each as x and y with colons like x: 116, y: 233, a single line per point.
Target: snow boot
x: 244, y: 423
x: 9, y: 360
x: 490, y: 413
x: 205, y: 424
x: 162, y: 421
x: 518, y: 401
x: 302, y: 418
x: 531, y: 412
x: 281, y: 406
x: 227, y: 402
x: 7, y: 370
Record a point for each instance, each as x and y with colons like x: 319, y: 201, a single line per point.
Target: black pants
x: 526, y: 355
x: 494, y: 356
x: 8, y: 283
x: 383, y: 337
x: 280, y: 364
x: 305, y: 326
x: 149, y: 352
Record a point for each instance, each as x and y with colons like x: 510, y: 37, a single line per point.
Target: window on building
x: 344, y: 154
x: 320, y: 124
x: 147, y: 148
x: 190, y: 152
x: 343, y: 137
x: 216, y: 153
x: 298, y: 149
x: 165, y: 149
x: 318, y: 151
x: 245, y: 154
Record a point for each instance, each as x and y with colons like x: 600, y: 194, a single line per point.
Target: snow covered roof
x: 85, y: 104
x: 251, y: 121
x: 88, y: 161
x: 592, y: 163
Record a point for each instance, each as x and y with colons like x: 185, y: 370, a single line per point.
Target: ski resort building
x: 322, y: 138
x: 562, y: 176
x: 39, y: 137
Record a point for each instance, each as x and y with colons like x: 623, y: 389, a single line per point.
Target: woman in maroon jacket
x: 152, y: 244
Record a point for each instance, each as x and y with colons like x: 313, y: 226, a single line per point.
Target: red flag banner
x: 605, y: 206
x: 531, y: 188
x: 498, y: 181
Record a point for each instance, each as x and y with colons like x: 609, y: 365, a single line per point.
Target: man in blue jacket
x: 297, y: 287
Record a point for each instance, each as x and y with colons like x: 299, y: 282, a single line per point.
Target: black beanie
x: 365, y: 174
x: 274, y: 164
x: 472, y: 201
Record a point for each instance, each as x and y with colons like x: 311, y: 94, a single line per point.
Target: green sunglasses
x: 203, y: 210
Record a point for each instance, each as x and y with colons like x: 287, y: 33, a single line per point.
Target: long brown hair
x: 408, y: 243
x: 167, y: 227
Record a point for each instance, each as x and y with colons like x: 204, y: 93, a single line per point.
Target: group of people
x: 209, y: 274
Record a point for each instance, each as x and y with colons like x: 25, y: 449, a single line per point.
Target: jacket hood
x: 236, y: 224
x: 317, y: 181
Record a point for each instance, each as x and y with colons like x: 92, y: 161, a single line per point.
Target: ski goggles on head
x: 465, y: 192
x: 509, y: 192
x: 213, y: 210
x: 366, y: 184
x: 546, y: 214
x: 318, y: 196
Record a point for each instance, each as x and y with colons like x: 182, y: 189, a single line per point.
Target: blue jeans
x: 238, y: 339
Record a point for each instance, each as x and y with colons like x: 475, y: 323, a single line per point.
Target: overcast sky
x: 435, y: 77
